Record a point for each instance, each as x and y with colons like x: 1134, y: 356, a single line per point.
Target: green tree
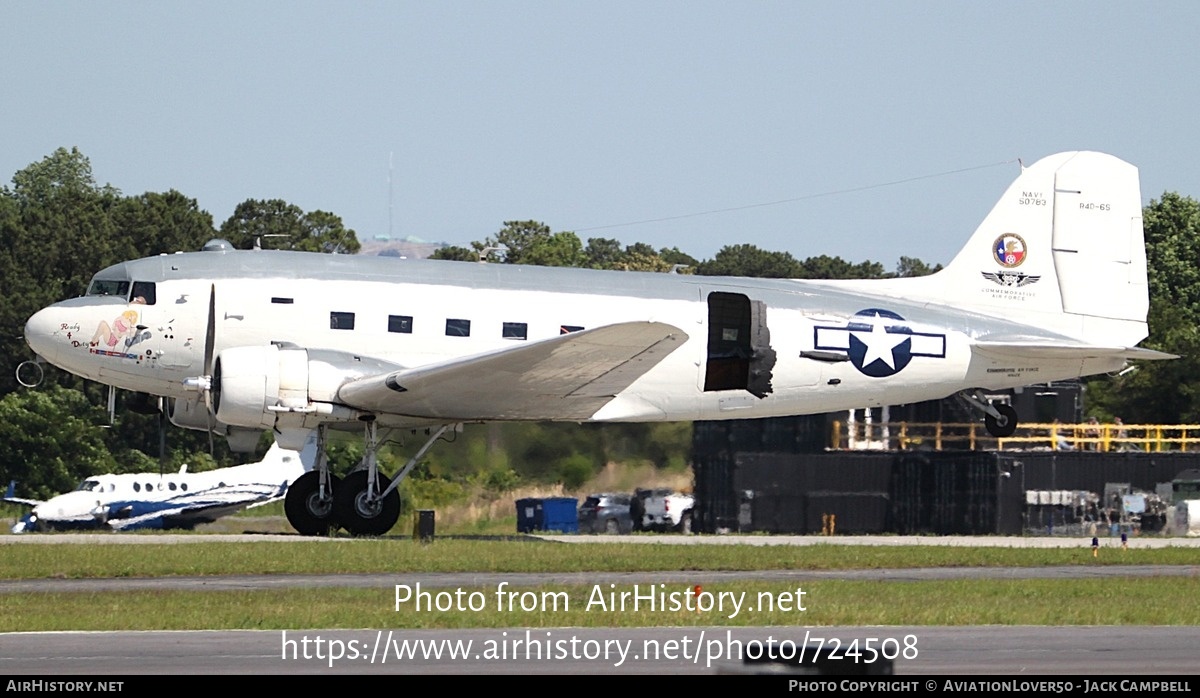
x: 674, y: 257
x: 911, y: 266
x: 749, y: 260
x: 456, y: 254
x: 62, y: 172
x: 161, y: 224
x: 276, y: 224
x: 604, y: 253
x: 518, y: 238
x: 325, y: 232
x: 558, y: 250
x: 826, y: 267
x: 1163, y: 391
x: 50, y: 440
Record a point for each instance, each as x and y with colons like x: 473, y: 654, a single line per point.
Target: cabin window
x: 137, y: 487
x: 109, y: 287
x: 183, y: 486
x: 143, y: 293
x: 515, y: 330
x: 400, y: 323
x: 341, y: 321
x: 458, y: 328
x: 282, y: 301
x: 568, y: 329
x: 171, y: 486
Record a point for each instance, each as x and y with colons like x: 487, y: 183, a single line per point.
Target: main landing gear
x: 999, y: 419
x: 365, y: 503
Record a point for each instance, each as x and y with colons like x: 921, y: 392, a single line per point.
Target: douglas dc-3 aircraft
x: 1051, y: 286
x: 131, y: 501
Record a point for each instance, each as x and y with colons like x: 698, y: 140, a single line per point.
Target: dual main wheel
x: 310, y: 513
x: 345, y: 505
x: 362, y: 515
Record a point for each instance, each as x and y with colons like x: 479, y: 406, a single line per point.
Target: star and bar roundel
x: 879, y: 343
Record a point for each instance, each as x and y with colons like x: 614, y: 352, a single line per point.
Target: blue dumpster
x: 560, y: 514
x: 549, y: 514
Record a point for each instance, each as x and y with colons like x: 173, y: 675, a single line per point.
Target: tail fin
x: 1062, y: 250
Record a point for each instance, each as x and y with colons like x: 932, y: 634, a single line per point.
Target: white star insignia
x: 879, y: 344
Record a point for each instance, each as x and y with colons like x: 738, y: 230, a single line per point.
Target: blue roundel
x: 879, y: 345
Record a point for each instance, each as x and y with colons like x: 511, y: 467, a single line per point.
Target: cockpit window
x: 89, y: 485
x: 143, y: 292
x: 109, y: 287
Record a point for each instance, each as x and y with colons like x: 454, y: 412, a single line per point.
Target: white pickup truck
x: 661, y: 510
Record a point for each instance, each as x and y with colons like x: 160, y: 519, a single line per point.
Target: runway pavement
x: 916, y: 651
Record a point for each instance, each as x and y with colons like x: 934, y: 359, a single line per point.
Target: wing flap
x: 568, y: 377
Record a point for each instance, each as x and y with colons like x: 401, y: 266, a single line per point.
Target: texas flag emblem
x: 1009, y: 250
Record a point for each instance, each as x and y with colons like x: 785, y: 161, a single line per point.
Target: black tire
x: 360, y: 517
x: 305, y: 511
x: 1003, y: 427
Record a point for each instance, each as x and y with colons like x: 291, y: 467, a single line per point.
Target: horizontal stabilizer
x: 9, y: 498
x: 568, y: 377
x: 1033, y: 348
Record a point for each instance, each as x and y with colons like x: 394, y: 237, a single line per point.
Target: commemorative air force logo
x: 1011, y: 279
x: 1009, y: 250
x: 878, y: 342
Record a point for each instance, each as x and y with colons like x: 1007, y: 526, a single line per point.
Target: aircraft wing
x: 568, y: 377
x: 1034, y: 347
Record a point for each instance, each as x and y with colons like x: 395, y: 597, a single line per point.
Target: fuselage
x: 754, y: 347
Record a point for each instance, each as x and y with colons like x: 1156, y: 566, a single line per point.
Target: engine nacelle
x: 246, y: 381
x: 189, y: 414
x: 285, y: 386
x: 193, y: 414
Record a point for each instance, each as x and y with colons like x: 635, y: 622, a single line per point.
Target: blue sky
x: 597, y: 117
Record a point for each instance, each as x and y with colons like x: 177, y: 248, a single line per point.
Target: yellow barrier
x: 938, y: 436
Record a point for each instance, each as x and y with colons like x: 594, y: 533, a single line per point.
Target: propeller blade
x: 210, y: 341
x: 210, y: 338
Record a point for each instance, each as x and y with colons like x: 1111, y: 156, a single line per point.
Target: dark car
x: 605, y: 513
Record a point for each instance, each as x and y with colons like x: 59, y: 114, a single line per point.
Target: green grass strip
x: 24, y: 561
x: 1111, y: 601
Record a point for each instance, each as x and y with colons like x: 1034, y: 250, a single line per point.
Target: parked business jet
x: 132, y: 501
x: 1051, y: 286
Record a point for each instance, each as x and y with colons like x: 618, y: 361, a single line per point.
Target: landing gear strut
x: 309, y: 500
x: 365, y: 503
x: 999, y: 419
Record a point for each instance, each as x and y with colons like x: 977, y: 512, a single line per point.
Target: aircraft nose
x: 40, y: 330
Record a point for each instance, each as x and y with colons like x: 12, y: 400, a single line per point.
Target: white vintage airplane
x: 131, y: 501
x: 1051, y: 286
